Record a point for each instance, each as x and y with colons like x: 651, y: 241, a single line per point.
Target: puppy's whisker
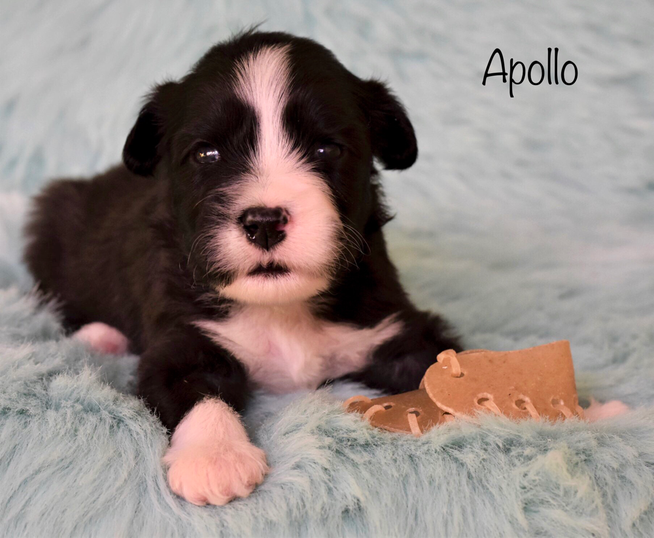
x: 193, y: 245
x: 345, y: 258
x: 352, y: 243
x: 204, y: 199
x: 358, y: 237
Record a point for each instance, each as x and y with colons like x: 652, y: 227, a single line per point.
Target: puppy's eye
x: 329, y: 151
x: 207, y: 155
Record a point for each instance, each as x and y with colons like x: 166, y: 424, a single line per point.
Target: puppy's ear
x: 141, y: 152
x: 392, y: 135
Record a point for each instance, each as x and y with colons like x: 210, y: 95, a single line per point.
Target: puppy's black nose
x: 264, y: 226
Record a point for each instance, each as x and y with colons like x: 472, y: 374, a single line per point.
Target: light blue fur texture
x: 525, y: 220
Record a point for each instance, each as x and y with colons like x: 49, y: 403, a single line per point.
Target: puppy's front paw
x: 211, y: 459
x: 216, y: 475
x: 209, y: 476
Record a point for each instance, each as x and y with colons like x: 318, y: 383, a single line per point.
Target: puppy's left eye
x: 207, y: 155
x: 329, y: 151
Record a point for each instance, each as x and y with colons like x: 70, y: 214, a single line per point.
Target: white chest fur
x: 286, y: 348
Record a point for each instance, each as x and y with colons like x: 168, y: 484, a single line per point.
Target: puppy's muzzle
x: 264, y: 226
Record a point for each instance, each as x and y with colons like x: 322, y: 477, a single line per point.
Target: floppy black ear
x: 141, y: 152
x: 392, y: 135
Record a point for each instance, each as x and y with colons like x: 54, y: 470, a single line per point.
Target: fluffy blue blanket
x: 526, y: 220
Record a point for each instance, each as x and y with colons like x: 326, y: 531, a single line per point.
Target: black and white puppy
x: 240, y: 246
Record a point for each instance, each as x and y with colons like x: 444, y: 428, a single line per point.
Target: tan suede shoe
x: 527, y: 383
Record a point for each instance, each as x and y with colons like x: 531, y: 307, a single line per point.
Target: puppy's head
x: 268, y: 145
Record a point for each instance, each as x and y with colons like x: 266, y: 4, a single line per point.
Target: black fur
x: 121, y: 249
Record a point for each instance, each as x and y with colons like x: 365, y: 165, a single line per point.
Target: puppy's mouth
x: 274, y: 284
x: 270, y: 270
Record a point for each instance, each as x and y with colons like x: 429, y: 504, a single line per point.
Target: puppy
x: 240, y: 246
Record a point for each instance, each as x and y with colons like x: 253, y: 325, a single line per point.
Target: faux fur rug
x: 526, y: 220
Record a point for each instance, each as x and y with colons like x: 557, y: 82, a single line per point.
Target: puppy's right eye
x: 206, y: 154
x: 329, y: 151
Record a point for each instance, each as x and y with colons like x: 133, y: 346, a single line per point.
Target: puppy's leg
x: 210, y: 459
x: 399, y: 365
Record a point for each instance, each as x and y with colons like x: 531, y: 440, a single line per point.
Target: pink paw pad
x: 103, y: 338
x: 598, y: 411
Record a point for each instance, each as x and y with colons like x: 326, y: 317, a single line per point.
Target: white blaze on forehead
x: 262, y: 81
x: 278, y: 176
